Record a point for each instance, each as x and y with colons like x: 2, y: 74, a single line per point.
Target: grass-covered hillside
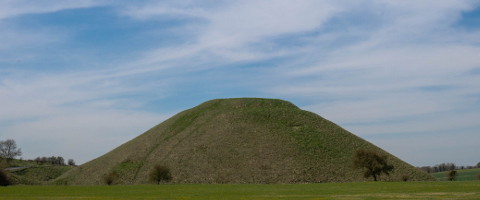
x: 246, y: 140
x: 33, y: 173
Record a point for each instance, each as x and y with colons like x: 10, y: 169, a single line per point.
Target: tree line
x: 54, y: 160
x: 9, y: 151
x: 446, y: 167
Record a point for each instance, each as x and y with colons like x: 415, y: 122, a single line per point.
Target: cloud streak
x: 378, y: 68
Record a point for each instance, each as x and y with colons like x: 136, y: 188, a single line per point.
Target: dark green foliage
x: 374, y: 163
x: 160, y: 173
x: 405, y: 177
x: 39, y: 174
x: 451, y: 175
x: 110, y: 178
x: 3, y: 163
x: 4, y: 178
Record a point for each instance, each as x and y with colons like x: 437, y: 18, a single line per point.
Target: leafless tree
x: 71, y: 162
x: 8, y: 149
x: 452, y: 166
x: 60, y: 160
x: 44, y: 160
x: 52, y: 160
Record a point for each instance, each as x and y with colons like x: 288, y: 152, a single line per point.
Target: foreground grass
x: 360, y: 190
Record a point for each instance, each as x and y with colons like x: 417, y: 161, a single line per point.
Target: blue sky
x: 79, y: 78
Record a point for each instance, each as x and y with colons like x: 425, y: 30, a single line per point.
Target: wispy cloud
x: 13, y: 8
x: 379, y: 68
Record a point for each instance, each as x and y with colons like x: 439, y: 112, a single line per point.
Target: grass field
x: 463, y: 175
x: 359, y: 190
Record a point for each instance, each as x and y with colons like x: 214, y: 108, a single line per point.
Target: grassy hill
x: 463, y: 175
x: 34, y: 173
x: 245, y: 140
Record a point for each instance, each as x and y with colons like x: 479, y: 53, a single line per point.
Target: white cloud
x: 13, y: 8
x: 371, y: 70
x: 80, y: 133
x: 229, y: 32
x: 81, y: 114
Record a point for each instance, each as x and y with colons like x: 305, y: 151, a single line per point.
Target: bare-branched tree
x: 60, y: 160
x: 8, y: 150
x: 71, y: 162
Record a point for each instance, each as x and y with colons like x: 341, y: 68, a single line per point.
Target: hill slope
x: 246, y: 140
x: 32, y: 173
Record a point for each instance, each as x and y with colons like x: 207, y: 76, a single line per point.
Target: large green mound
x: 246, y: 140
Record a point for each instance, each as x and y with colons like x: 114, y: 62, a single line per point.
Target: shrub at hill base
x: 451, y: 175
x: 478, y: 176
x: 160, y: 173
x: 405, y: 177
x: 4, y: 178
x: 374, y: 163
x: 110, y: 178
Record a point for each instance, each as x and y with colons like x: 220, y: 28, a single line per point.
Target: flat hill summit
x: 242, y: 140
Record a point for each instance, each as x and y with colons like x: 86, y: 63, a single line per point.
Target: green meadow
x: 358, y: 190
x: 462, y: 175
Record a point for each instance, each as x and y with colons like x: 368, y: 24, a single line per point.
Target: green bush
x: 110, y: 178
x: 160, y: 173
x: 405, y: 177
x: 451, y: 175
x: 4, y: 178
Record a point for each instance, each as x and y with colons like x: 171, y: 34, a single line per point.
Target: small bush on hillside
x: 478, y: 176
x: 3, y: 163
x: 4, y: 178
x: 405, y: 177
x: 451, y: 175
x: 110, y: 178
x: 160, y: 173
